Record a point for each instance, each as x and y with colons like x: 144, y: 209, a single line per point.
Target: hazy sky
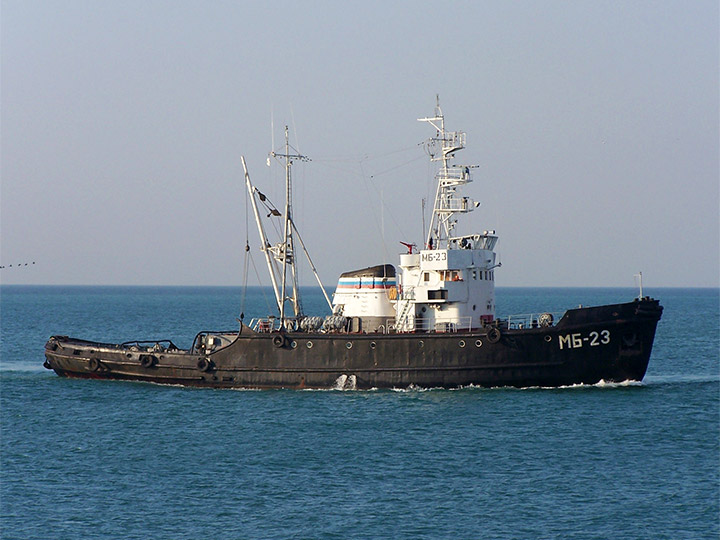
x: 594, y: 125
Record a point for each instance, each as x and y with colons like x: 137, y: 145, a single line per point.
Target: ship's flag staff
x: 639, y: 280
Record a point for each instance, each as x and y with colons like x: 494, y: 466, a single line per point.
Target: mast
x: 283, y: 252
x: 450, y: 178
x: 286, y: 249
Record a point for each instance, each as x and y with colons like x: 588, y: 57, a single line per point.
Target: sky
x: 593, y: 125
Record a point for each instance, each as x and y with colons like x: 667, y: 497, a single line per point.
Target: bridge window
x: 440, y: 294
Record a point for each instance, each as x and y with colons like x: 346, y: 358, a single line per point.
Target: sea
x: 89, y: 459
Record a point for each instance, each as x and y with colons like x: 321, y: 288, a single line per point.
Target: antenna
x: 422, y: 204
x: 272, y: 132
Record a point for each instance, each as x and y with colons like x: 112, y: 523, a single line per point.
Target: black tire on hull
x: 205, y: 364
x: 147, y: 360
x: 494, y: 335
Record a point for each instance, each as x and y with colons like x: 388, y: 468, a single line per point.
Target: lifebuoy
x: 494, y: 335
x: 93, y: 364
x: 205, y: 364
x: 279, y: 341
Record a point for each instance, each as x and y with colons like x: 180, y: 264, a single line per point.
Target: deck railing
x: 533, y: 320
x: 419, y: 324
x: 264, y: 324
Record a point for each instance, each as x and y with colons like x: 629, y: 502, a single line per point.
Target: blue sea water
x: 101, y: 459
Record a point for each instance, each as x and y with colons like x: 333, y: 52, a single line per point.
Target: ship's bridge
x: 451, y: 287
x: 486, y: 240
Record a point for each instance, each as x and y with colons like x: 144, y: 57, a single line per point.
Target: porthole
x: 349, y: 344
x: 293, y: 344
x: 373, y: 345
x: 309, y: 344
x: 462, y: 343
x: 421, y: 344
x: 548, y: 338
x: 478, y: 343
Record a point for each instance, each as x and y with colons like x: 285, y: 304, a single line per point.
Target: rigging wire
x: 362, y: 174
x: 413, y: 160
x: 262, y: 287
x: 245, y: 261
x: 368, y: 157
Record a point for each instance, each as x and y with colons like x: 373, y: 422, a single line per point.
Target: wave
x: 602, y: 384
x: 346, y: 383
x: 681, y: 379
x: 21, y: 367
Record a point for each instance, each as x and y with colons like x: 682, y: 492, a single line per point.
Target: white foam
x: 340, y: 382
x: 345, y: 382
x: 413, y: 388
x: 579, y: 386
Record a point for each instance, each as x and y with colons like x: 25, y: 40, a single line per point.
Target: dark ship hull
x: 609, y: 343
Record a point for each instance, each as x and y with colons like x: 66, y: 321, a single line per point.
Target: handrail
x: 442, y: 325
x: 534, y: 320
x: 144, y: 342
x: 207, y: 332
x: 264, y: 324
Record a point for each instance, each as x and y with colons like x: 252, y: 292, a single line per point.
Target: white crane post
x: 261, y: 231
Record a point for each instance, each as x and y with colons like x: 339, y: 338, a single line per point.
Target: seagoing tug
x: 430, y: 324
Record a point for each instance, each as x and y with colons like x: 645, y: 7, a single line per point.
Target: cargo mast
x: 283, y: 252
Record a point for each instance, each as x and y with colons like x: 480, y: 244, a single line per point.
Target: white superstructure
x: 449, y: 285
x: 368, y: 294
